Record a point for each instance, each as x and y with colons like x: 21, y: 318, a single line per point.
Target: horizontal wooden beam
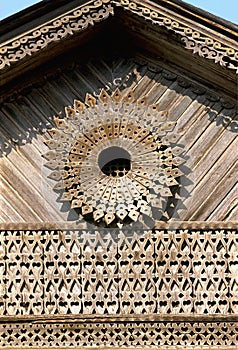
x: 159, y: 225
x: 86, y: 319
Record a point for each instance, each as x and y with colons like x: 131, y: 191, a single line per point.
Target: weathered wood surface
x: 125, y: 272
x: 207, y: 129
x: 160, y: 225
x: 169, y: 288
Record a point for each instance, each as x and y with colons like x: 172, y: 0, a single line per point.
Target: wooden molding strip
x: 159, y: 225
x: 48, y: 319
x: 125, y: 348
x: 205, y: 43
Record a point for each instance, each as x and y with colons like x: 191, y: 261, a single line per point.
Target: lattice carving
x: 120, y: 273
x: 166, y: 335
x: 24, y: 285
x: 116, y: 161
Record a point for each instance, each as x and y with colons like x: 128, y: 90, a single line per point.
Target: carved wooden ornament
x: 115, y: 160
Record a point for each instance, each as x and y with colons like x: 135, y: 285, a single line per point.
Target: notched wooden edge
x: 205, y: 347
x: 65, y: 319
x: 159, y: 225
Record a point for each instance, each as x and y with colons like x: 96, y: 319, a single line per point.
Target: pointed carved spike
x: 90, y: 101
x: 52, y: 164
x: 109, y: 218
x: 178, y: 160
x: 66, y: 196
x: 78, y: 106
x: 146, y: 210
x: 117, y: 96
x: 59, y: 186
x: 76, y: 203
x: 133, y: 215
x: 50, y: 155
x: 98, y: 214
x: 165, y: 192
x: 176, y: 172
x: 171, y: 182
x: 86, y: 210
x: 60, y: 123
x: 104, y: 97
x: 157, y: 202
x: 129, y: 97
x: 142, y: 101
x: 52, y: 144
x: 54, y: 133
x: 169, y: 126
x: 121, y: 214
x: 55, y: 175
x: 70, y: 112
x: 177, y: 150
x: 173, y: 138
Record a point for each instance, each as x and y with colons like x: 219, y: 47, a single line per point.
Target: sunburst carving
x: 115, y: 159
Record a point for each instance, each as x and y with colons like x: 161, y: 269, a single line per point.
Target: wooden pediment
x: 164, y: 30
x: 118, y: 214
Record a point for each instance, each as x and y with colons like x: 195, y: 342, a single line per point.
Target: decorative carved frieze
x: 119, y: 272
x: 201, y: 41
x: 117, y: 334
x: 114, y: 288
x: 57, y: 29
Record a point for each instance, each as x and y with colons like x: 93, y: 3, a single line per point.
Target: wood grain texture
x: 203, y: 122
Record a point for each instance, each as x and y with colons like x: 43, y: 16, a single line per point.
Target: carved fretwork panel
x: 166, y: 335
x: 176, y: 288
x: 119, y: 273
x: 204, y: 42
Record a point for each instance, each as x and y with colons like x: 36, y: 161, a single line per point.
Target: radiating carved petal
x: 78, y: 106
x: 119, y: 193
x: 90, y: 101
x: 70, y: 112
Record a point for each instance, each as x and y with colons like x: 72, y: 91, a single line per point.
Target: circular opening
x: 114, y: 161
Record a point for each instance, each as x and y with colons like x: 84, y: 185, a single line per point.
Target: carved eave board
x: 118, y: 164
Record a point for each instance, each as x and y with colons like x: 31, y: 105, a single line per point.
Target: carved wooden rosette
x: 116, y: 160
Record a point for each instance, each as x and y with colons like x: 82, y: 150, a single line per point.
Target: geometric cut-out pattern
x: 187, y: 278
x: 165, y: 335
x: 116, y: 160
x: 119, y: 272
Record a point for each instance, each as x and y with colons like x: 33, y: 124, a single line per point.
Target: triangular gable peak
x: 140, y: 252
x: 162, y: 27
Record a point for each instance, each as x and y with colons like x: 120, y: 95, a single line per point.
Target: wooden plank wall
x: 206, y: 122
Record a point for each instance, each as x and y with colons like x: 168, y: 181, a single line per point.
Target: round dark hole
x: 114, y: 161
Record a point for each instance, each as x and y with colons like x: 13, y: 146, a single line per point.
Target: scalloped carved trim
x: 110, y: 335
x: 205, y: 44
x: 68, y: 24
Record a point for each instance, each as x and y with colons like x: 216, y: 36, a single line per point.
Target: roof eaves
x: 204, y: 17
x: 192, y: 25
